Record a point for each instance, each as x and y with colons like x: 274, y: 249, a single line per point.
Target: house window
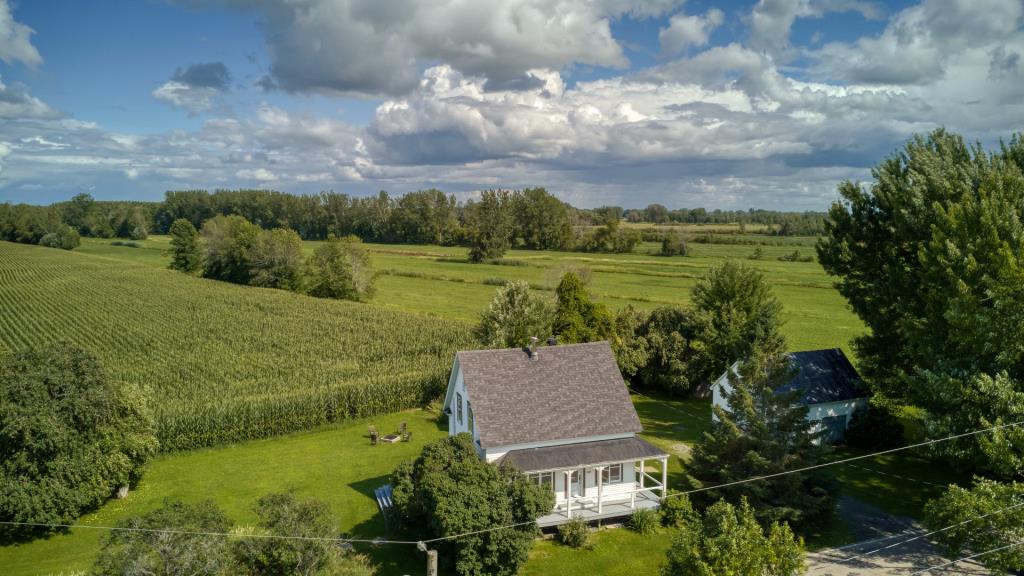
x: 543, y: 479
x: 470, y: 409
x: 458, y: 409
x: 612, y: 474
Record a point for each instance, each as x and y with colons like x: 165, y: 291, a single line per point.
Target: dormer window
x: 458, y: 408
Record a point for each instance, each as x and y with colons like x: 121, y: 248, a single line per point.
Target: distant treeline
x: 536, y: 219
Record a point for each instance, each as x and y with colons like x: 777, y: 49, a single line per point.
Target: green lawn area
x: 335, y: 464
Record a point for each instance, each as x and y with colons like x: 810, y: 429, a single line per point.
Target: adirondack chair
x: 373, y: 436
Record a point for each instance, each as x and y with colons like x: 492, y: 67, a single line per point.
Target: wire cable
x: 971, y: 557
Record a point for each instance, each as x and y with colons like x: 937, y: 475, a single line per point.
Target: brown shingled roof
x: 569, y: 391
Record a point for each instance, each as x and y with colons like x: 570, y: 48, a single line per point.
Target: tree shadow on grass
x: 390, y: 559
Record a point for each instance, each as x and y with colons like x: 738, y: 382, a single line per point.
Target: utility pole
x: 431, y: 562
x: 431, y: 559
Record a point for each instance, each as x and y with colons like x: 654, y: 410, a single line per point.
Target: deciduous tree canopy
x: 449, y: 490
x: 69, y: 437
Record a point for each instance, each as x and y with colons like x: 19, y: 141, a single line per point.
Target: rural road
x: 877, y: 530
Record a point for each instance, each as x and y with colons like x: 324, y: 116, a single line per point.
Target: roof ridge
x: 545, y: 347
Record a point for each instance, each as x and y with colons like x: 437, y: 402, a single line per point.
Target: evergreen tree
x: 577, y: 317
x: 728, y: 540
x: 489, y: 226
x: 186, y: 254
x: 514, y: 315
x: 762, y: 432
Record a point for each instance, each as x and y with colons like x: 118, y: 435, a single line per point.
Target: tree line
x: 531, y: 218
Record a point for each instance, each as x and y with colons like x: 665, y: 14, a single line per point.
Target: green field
x: 437, y: 280
x: 223, y: 362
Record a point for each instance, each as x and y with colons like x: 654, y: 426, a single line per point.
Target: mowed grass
x: 335, y: 464
x: 220, y: 362
x: 438, y: 280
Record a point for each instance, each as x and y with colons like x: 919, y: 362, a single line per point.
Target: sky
x: 687, y: 103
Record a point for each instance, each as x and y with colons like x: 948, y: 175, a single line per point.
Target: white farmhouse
x: 828, y: 384
x: 562, y: 415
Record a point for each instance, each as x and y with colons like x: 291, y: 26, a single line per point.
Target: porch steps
x: 383, y: 496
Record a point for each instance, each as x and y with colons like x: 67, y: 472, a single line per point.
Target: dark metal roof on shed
x: 568, y: 391
x: 824, y: 376
x: 583, y: 454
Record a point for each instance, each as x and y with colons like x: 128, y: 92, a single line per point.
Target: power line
x: 971, y: 557
x: 381, y: 541
x: 918, y: 537
x: 200, y: 533
x: 843, y: 461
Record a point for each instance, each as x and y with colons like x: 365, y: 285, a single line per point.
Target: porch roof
x: 582, y: 454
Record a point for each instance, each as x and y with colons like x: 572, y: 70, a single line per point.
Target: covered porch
x: 596, y: 480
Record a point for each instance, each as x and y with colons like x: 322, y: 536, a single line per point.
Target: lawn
x: 334, y: 464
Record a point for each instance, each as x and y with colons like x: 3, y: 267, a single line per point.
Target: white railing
x: 617, y: 497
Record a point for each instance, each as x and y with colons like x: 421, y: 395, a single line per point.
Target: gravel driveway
x: 875, y: 529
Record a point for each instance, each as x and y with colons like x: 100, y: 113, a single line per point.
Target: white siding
x: 458, y: 392
x: 609, y: 491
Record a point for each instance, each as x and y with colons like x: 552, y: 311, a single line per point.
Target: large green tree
x: 737, y: 315
x: 155, y: 543
x: 577, y: 317
x: 69, y: 436
x: 986, y: 516
x: 760, y: 432
x: 541, y: 220
x: 727, y: 540
x: 489, y: 225
x: 931, y: 257
x: 449, y: 490
x: 186, y: 253
x: 276, y: 260
x: 514, y: 315
x: 658, y: 349
x: 229, y: 242
x: 340, y: 268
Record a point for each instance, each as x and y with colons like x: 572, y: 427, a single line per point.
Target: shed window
x: 470, y: 409
x: 612, y: 474
x: 458, y: 409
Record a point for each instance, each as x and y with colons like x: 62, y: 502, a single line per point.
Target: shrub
x: 795, y: 256
x: 874, y: 428
x: 677, y: 511
x: 138, y: 233
x: 673, y: 244
x: 64, y: 237
x: 644, y: 521
x: 575, y: 533
x: 757, y: 254
x: 126, y: 244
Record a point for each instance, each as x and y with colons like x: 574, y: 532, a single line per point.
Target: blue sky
x: 717, y: 104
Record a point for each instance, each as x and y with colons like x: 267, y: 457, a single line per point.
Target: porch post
x: 599, y: 471
x: 632, y: 491
x: 664, y: 478
x: 642, y: 474
x: 568, y: 494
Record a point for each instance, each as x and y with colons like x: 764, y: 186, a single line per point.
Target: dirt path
x: 876, y: 530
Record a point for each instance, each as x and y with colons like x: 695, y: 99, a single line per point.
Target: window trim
x: 458, y: 409
x: 608, y: 478
x: 469, y: 414
x: 543, y: 479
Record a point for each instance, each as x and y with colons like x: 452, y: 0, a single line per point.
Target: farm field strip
x: 224, y: 362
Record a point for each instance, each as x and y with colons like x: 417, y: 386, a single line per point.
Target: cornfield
x: 222, y: 363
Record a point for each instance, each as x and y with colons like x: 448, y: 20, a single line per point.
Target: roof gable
x: 567, y: 392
